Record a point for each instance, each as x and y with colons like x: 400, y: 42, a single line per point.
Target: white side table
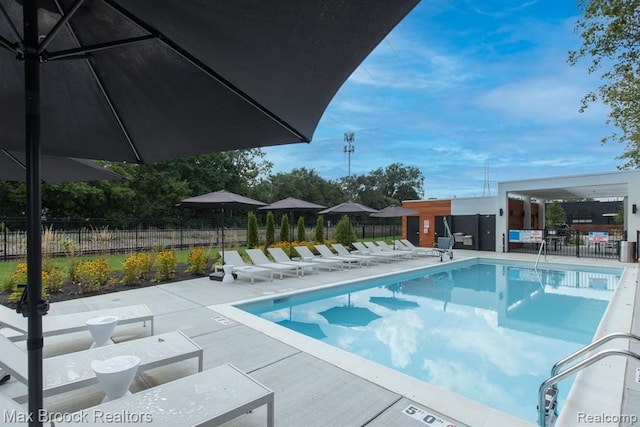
x: 115, y: 375
x: 228, y: 273
x: 101, y: 329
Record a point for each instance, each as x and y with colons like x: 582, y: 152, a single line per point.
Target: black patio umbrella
x: 349, y: 208
x: 54, y: 169
x: 349, y: 315
x: 291, y: 204
x: 394, y: 212
x: 140, y: 81
x: 312, y: 330
x: 393, y: 302
x: 223, y: 200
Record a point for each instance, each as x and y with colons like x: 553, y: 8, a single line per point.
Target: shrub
x: 166, y: 262
x: 302, y: 233
x: 345, y: 233
x: 320, y: 230
x: 53, y: 279
x: 197, y: 260
x: 135, y: 268
x: 270, y: 232
x: 284, y: 228
x: 252, y: 230
x: 92, y: 275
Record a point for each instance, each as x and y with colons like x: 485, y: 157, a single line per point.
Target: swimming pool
x: 491, y: 340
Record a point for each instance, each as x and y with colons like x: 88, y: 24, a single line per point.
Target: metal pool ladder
x: 548, y: 390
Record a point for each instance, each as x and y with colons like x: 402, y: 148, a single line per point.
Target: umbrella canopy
x: 349, y: 208
x: 292, y: 204
x: 312, y: 330
x: 394, y: 303
x: 394, y: 212
x: 54, y: 169
x: 221, y: 200
x: 170, y: 78
x: 164, y: 79
x: 349, y: 315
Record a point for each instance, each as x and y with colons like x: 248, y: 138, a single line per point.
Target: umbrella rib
x: 107, y: 98
x: 14, y: 159
x: 13, y: 47
x: 56, y: 28
x: 211, y: 73
x: 81, y: 51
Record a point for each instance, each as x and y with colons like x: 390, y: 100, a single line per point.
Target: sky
x: 471, y: 93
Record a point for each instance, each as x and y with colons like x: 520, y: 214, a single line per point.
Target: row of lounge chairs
x: 366, y: 254
x: 193, y: 400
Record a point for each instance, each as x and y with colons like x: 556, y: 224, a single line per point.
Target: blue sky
x: 460, y: 84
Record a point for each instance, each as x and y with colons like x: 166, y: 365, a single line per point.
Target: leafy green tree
x: 284, y: 228
x: 385, y: 187
x: 320, y: 229
x: 270, y: 231
x: 345, y: 233
x: 301, y: 233
x: 252, y: 230
x: 555, y: 215
x: 610, y: 38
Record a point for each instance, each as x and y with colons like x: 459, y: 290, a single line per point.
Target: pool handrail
x: 552, y: 381
x: 597, y: 343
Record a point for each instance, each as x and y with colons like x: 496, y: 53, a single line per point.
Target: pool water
x: 490, y: 331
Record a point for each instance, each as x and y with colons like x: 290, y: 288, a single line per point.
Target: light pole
x: 349, y: 139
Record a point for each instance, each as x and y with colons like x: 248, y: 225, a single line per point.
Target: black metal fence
x: 91, y: 236
x: 577, y: 243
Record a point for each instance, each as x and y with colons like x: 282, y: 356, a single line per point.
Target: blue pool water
x: 487, y: 330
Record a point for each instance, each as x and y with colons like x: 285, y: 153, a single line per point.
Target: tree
x: 270, y: 231
x: 252, y: 230
x: 345, y: 233
x: 320, y: 230
x: 284, y: 228
x: 555, y: 216
x: 610, y: 32
x: 301, y: 234
x: 385, y: 187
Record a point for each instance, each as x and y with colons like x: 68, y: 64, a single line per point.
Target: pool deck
x: 319, y: 385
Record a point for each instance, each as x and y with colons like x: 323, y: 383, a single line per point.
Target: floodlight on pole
x: 349, y: 139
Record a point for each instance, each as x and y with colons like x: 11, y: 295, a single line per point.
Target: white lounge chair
x: 306, y: 253
x: 241, y: 267
x: 208, y: 398
x: 326, y: 253
x: 387, y: 248
x: 444, y: 246
x: 73, y: 370
x: 72, y: 322
x: 12, y: 412
x: 281, y: 257
x: 375, y: 249
x: 342, y: 251
x: 363, y: 250
x: 260, y: 259
x: 415, y: 250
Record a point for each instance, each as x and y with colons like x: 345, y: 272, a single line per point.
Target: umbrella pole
x: 35, y: 307
x: 222, y: 225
